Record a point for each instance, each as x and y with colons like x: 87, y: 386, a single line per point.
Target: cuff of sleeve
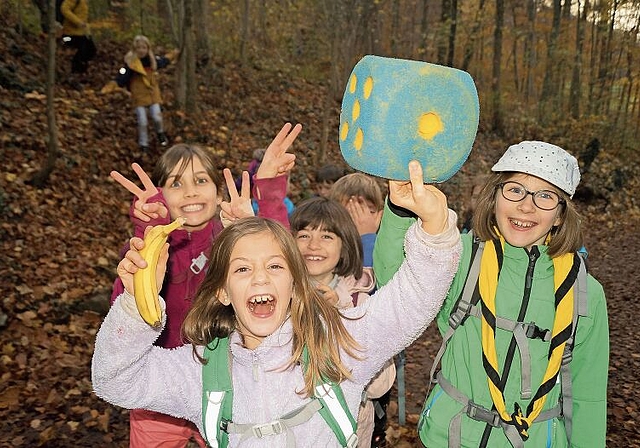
x: 270, y: 187
x: 400, y: 211
x: 448, y: 238
x: 128, y: 304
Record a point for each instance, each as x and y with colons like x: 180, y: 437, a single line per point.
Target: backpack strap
x: 579, y: 309
x: 463, y: 307
x: 217, y: 405
x: 217, y: 396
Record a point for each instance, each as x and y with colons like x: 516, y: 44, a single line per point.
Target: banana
x: 144, y: 280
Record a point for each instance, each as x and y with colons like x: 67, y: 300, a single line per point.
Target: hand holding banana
x: 142, y: 270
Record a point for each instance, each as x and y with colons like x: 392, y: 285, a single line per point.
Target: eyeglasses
x: 543, y: 199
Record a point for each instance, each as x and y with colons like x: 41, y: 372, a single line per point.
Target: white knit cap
x: 544, y: 160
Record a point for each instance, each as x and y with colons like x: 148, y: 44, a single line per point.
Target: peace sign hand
x: 141, y: 209
x: 239, y: 205
x: 276, y: 160
x: 426, y: 201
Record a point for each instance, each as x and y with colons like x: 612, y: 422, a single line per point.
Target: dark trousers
x: 85, y: 51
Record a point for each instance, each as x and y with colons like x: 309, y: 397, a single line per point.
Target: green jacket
x: 462, y: 362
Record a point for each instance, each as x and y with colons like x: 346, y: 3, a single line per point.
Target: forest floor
x: 60, y: 242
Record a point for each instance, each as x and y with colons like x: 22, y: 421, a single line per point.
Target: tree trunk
x: 610, y: 73
x: 496, y: 119
x: 424, y: 31
x: 244, y: 32
x: 443, y: 30
x: 42, y: 176
x: 453, y: 20
x: 550, y: 81
x: 203, y: 45
x: 191, y: 90
x: 470, y: 47
x: 576, y: 89
x: 395, y: 25
x: 530, y: 54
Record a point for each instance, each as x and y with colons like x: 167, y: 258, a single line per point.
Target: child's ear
x: 223, y: 297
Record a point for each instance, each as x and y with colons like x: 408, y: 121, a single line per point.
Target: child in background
x: 76, y: 33
x: 325, y: 177
x: 529, y: 282
x: 363, y: 198
x: 361, y: 195
x: 254, y: 165
x: 332, y: 250
x: 186, y: 182
x: 283, y: 336
x: 140, y: 76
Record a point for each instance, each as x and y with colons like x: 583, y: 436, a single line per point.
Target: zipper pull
x: 256, y: 367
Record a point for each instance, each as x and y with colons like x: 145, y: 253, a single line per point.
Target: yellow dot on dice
x: 353, y: 82
x: 355, y: 113
x: 344, y: 131
x: 368, y: 87
x: 358, y: 140
x: 429, y: 125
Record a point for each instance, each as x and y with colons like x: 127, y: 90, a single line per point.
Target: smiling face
x: 522, y: 224
x: 142, y: 49
x: 259, y: 286
x: 321, y: 251
x: 192, y: 195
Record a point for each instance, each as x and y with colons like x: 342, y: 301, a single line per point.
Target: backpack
x: 466, y: 306
x: 217, y: 405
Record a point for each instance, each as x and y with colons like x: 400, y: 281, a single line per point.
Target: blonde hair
x: 145, y: 40
x: 317, y: 324
x: 564, y: 238
x: 357, y: 184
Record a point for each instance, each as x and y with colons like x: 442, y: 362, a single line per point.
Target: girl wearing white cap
x: 525, y: 350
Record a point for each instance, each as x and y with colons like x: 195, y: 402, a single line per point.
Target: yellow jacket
x: 144, y: 87
x: 76, y: 15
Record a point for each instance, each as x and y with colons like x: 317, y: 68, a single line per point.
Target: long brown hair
x: 317, y: 325
x: 564, y: 238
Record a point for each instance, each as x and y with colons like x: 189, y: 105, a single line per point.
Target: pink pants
x: 150, y: 429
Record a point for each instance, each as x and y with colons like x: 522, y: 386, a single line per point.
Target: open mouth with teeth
x: 522, y: 224
x: 192, y: 208
x: 262, y: 305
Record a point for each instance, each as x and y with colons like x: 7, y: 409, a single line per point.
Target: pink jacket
x: 187, y: 266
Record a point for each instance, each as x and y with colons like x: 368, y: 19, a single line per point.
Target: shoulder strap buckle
x: 463, y: 309
x: 352, y: 442
x: 532, y: 331
x: 482, y: 414
x: 267, y: 429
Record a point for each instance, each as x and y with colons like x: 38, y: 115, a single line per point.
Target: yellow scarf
x: 488, y: 283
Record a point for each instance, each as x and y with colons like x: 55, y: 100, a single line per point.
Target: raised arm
x: 144, y: 208
x: 271, y: 179
x: 401, y: 310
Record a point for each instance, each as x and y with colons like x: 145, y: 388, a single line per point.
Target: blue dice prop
x: 398, y: 110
